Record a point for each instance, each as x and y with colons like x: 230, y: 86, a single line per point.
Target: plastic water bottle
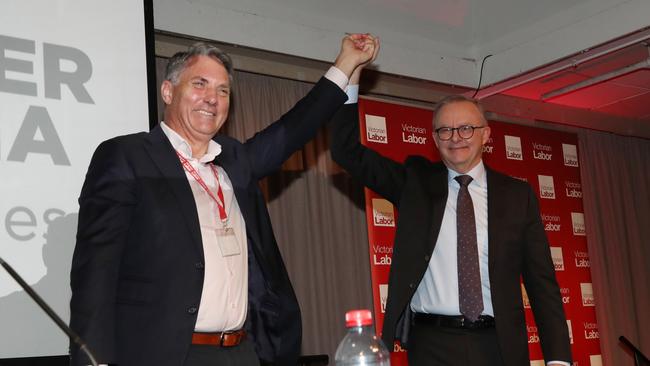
x: 360, y: 346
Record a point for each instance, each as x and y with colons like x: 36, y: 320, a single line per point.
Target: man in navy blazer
x: 176, y: 262
x: 423, y: 305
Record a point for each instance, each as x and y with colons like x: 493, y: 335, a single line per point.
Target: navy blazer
x: 137, y: 270
x: 518, y: 247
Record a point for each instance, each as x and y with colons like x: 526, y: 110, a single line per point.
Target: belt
x: 219, y: 339
x: 454, y: 321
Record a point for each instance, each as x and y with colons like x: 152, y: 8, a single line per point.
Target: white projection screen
x: 72, y: 74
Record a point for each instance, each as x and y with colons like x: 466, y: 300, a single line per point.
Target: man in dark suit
x: 175, y: 261
x: 454, y: 295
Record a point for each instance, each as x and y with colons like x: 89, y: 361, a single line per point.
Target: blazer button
x: 427, y: 257
x: 199, y: 265
x: 192, y: 310
x: 411, y: 285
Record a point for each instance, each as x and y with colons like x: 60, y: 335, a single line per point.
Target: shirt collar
x: 477, y: 173
x: 183, y: 147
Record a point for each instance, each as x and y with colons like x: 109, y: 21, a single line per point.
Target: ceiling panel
x: 614, y: 61
x: 535, y: 88
x: 595, y: 96
x: 640, y: 78
x: 635, y: 107
x: 627, y: 95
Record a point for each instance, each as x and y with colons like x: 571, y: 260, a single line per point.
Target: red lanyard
x: 219, y: 198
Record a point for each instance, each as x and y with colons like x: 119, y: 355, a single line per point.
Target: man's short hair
x: 179, y: 61
x: 456, y: 98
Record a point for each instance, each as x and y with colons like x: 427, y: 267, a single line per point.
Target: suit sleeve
x: 381, y: 174
x: 542, y: 288
x: 106, y: 204
x: 270, y: 148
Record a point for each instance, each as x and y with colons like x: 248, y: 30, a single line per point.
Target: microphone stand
x: 638, y: 355
x: 48, y: 310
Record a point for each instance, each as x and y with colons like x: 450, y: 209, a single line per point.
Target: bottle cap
x: 358, y: 318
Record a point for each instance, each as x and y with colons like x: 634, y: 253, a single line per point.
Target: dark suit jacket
x: 517, y: 243
x: 137, y: 271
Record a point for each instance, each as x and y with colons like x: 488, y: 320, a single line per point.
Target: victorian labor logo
x: 570, y: 153
x: 376, y: 129
x: 382, y: 213
x: 513, y: 148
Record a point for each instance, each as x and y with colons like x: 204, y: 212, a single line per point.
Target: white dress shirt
x: 438, y: 290
x: 224, y: 299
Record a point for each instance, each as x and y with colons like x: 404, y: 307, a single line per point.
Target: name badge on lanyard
x: 228, y: 244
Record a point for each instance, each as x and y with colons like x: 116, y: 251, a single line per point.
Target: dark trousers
x: 433, y: 345
x: 240, y: 355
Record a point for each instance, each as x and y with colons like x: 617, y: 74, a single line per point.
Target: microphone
x: 638, y: 355
x: 48, y: 310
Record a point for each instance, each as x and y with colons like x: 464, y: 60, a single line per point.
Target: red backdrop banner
x: 547, y: 160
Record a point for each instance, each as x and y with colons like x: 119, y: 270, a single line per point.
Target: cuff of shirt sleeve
x: 353, y: 94
x: 337, y: 76
x: 558, y: 362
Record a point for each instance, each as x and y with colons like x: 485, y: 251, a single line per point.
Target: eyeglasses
x: 464, y: 132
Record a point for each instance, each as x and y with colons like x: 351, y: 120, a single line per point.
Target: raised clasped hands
x: 357, y: 51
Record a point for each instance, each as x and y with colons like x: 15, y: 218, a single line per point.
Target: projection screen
x: 72, y: 74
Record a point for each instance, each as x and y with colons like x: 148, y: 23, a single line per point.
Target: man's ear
x: 166, y: 91
x: 486, y: 135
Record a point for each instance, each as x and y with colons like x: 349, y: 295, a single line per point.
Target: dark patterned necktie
x: 469, y: 277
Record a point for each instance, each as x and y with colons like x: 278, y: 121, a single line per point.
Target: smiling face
x: 197, y: 105
x: 457, y: 153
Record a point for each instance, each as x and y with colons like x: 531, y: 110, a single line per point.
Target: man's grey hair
x: 179, y: 61
x: 456, y: 98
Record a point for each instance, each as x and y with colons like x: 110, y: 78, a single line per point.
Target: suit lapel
x: 163, y: 155
x: 439, y: 190
x: 240, y: 179
x: 495, y: 197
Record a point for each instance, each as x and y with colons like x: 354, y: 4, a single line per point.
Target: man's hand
x: 357, y: 51
x: 356, y: 74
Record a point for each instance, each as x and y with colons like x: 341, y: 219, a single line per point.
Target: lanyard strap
x: 219, y: 197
